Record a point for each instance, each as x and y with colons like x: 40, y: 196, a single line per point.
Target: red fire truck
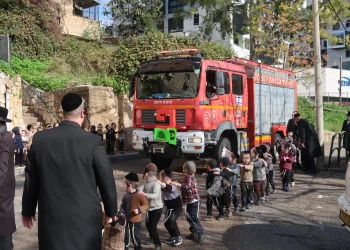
x: 213, y: 104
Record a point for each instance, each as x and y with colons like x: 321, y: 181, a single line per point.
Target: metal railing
x: 33, y: 90
x: 342, y: 137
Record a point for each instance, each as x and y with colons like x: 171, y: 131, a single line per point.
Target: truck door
x: 238, y: 100
x: 218, y: 103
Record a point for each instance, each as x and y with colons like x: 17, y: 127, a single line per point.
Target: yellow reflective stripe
x: 263, y: 137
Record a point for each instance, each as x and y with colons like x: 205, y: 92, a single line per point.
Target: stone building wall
x: 103, y: 106
x: 10, y: 89
x: 77, y: 25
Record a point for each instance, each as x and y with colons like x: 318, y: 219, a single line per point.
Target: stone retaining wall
x: 11, y: 98
x: 103, y: 106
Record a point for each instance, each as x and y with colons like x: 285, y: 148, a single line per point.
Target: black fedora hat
x: 3, y: 115
x: 348, y: 114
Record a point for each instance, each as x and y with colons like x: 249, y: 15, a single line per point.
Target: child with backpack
x: 212, y: 172
x: 215, y: 190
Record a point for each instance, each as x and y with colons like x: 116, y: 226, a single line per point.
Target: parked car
x: 344, y: 201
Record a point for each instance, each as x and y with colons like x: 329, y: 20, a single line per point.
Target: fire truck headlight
x: 194, y: 140
x: 135, y: 138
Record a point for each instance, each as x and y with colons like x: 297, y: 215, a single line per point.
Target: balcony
x: 80, y: 18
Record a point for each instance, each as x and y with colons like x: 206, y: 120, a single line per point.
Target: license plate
x: 345, y: 217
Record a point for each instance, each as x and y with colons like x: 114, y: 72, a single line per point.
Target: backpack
x: 225, y: 183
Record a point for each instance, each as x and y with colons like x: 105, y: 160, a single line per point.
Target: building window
x: 347, y: 53
x: 246, y: 43
x: 87, y: 9
x: 336, y: 26
x: 237, y: 85
x: 325, y: 44
x: 196, y: 19
x: 347, y: 24
x: 174, y: 5
x: 175, y: 25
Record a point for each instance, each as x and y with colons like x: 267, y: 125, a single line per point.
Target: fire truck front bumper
x: 191, y: 142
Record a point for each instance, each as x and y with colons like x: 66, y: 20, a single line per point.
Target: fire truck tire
x: 162, y: 163
x: 223, y: 142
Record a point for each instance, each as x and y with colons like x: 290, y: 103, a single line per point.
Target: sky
x: 103, y: 18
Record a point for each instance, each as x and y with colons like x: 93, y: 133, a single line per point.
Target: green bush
x: 333, y: 121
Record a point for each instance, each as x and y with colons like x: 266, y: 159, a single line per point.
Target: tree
x: 278, y: 28
x: 134, y: 17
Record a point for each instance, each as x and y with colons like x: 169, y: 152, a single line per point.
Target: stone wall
x: 103, y: 106
x: 11, y: 98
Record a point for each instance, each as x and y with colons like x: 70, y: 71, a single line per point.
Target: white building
x: 194, y: 25
x: 330, y: 79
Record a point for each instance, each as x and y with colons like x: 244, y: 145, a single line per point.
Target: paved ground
x: 305, y: 218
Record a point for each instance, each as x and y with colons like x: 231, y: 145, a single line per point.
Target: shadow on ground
x: 285, y: 235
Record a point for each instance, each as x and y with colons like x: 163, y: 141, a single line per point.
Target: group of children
x: 149, y: 199
x: 256, y: 174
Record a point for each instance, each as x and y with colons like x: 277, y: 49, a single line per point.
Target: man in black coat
x: 291, y: 125
x: 346, y: 128
x: 65, y: 167
x: 7, y: 184
x: 309, y: 143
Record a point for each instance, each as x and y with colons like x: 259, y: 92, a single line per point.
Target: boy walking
x: 133, y: 205
x: 152, y: 190
x: 172, y: 201
x: 235, y: 169
x: 214, y: 191
x: 258, y: 177
x: 213, y: 171
x: 190, y: 197
x: 246, y: 181
x: 227, y: 177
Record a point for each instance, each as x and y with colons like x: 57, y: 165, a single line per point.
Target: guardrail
x: 342, y: 137
x: 41, y: 100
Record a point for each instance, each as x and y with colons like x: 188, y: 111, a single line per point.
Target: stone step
x: 25, y: 108
x: 30, y: 120
x: 29, y: 114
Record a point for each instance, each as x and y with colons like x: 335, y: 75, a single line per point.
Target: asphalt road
x: 304, y: 218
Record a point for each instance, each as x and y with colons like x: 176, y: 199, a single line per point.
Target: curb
x: 19, y: 171
x: 126, y: 157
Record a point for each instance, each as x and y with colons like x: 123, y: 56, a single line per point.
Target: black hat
x: 71, y: 102
x: 297, y: 115
x: 348, y: 113
x: 225, y: 161
x: 3, y: 115
x: 132, y: 177
x: 168, y: 173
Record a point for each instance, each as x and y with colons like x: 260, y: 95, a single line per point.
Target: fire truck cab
x: 213, y: 104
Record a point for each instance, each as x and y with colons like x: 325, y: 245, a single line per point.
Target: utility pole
x: 340, y: 81
x: 318, y: 83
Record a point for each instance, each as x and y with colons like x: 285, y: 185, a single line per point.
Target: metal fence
x: 329, y: 97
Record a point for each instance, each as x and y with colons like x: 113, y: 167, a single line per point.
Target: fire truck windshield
x: 168, y: 79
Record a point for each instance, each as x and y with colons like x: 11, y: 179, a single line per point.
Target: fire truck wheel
x: 223, y: 142
x: 162, y: 163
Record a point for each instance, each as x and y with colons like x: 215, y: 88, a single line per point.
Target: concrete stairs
x: 29, y: 117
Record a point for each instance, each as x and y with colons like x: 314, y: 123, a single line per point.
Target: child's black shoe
x: 178, y: 241
x: 171, y: 240
x: 200, y: 237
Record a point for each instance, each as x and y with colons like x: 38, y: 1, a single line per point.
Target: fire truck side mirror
x: 219, y: 82
x: 132, y: 85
